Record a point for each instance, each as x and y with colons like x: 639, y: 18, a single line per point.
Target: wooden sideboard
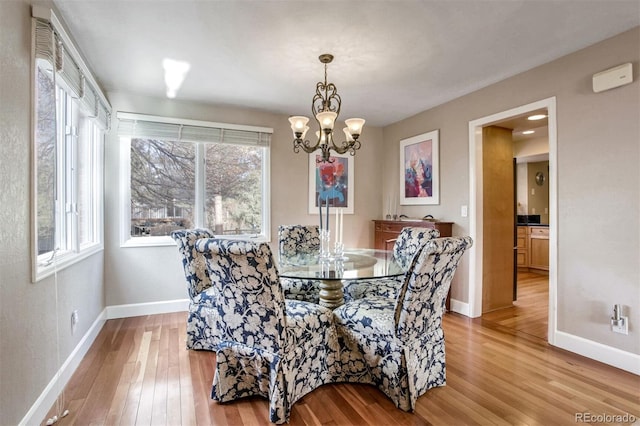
x: 386, y: 231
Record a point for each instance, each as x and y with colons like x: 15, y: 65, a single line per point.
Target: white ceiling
x: 393, y: 58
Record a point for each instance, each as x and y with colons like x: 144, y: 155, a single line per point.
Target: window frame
x: 126, y: 239
x: 68, y: 249
x: 90, y: 114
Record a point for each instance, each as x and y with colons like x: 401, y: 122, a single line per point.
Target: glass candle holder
x: 325, y: 247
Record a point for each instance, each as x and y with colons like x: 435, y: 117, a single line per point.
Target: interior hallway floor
x: 530, y: 313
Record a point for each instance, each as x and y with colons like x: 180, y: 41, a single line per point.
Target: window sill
x: 166, y: 241
x: 44, y: 269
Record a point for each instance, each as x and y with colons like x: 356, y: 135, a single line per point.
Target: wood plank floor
x: 138, y: 372
x: 530, y: 312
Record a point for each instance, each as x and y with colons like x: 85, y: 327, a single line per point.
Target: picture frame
x: 334, y: 180
x: 420, y: 169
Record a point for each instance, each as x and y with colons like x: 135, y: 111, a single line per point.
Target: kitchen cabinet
x: 538, y: 247
x: 522, y: 247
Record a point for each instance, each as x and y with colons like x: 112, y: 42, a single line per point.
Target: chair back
x: 410, y: 240
x: 298, y: 240
x: 251, y: 303
x: 421, y: 301
x: 195, y: 268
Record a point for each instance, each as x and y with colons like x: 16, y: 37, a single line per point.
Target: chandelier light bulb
x: 298, y: 123
x: 355, y: 125
x: 347, y: 134
x: 326, y: 119
x: 321, y: 136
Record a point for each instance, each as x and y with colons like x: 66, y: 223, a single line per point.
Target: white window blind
x: 183, y: 130
x: 54, y: 46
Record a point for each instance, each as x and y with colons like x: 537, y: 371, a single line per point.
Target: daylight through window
x: 70, y: 118
x: 186, y: 176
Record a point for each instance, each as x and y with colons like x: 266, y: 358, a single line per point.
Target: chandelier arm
x: 305, y: 145
x: 326, y: 99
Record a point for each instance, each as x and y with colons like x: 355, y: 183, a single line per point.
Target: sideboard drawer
x: 389, y: 229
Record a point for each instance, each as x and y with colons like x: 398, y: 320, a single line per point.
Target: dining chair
x: 202, y: 295
x: 299, y: 243
x: 398, y: 345
x: 409, y: 241
x: 276, y: 348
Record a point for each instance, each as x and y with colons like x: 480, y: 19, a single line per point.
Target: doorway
x: 477, y: 198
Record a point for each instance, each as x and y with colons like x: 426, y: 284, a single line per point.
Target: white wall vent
x: 613, y: 77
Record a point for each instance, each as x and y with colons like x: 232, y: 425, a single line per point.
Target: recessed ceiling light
x: 528, y: 132
x: 536, y: 117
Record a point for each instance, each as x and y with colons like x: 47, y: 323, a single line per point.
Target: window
x: 185, y: 174
x: 69, y: 124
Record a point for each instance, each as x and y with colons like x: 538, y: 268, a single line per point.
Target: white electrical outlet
x: 74, y: 320
x: 621, y: 326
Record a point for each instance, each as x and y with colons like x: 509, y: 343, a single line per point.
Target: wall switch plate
x: 464, y: 211
x: 621, y: 326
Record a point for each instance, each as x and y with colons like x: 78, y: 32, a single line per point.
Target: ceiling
x: 393, y: 58
x: 521, y: 123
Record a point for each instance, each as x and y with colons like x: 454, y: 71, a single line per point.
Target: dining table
x: 333, y: 271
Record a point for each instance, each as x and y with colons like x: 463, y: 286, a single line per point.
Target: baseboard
x: 459, y: 307
x: 151, y: 308
x: 47, y: 398
x: 606, y: 354
x: 611, y: 356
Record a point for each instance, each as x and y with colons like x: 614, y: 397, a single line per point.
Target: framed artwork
x: 420, y: 169
x: 332, y: 182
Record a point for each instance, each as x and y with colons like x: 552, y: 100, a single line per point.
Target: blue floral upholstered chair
x: 408, y: 243
x: 280, y: 349
x: 398, y: 345
x: 299, y: 243
x: 201, y: 333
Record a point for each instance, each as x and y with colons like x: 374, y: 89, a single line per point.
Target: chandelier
x: 325, y: 107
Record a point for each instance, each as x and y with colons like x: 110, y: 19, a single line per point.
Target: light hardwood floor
x: 530, y: 312
x: 138, y: 372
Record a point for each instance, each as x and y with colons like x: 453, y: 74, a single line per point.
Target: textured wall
x: 598, y: 180
x: 30, y: 318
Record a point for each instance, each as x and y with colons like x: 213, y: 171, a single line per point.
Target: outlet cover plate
x: 621, y: 328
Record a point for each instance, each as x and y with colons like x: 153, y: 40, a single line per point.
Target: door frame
x: 476, y: 206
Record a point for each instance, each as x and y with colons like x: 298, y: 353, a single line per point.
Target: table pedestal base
x: 331, y: 293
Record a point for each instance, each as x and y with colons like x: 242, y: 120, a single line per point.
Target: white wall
x: 598, y: 181
x: 28, y: 312
x: 154, y: 274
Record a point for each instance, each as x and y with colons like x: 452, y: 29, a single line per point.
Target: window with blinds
x: 185, y: 173
x: 70, y: 117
